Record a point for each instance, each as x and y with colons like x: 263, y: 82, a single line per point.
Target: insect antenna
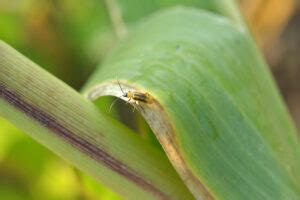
x: 120, y: 87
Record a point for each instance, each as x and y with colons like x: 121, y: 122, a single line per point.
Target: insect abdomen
x: 143, y: 97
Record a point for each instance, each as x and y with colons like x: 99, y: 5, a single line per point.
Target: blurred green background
x: 70, y: 38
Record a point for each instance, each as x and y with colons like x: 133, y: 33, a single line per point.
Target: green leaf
x: 216, y: 110
x: 71, y: 126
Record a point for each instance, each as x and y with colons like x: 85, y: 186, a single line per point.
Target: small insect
x: 136, y: 96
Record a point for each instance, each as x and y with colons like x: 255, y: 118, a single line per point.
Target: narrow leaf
x: 71, y: 126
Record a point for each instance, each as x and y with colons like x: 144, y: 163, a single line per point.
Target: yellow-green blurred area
x: 70, y: 38
x: 61, y: 36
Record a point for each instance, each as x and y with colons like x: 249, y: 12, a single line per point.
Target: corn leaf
x: 213, y: 104
x: 71, y: 126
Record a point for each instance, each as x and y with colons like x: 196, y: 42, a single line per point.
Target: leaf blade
x: 191, y: 62
x: 72, y: 127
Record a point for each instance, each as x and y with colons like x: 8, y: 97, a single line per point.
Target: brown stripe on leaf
x: 78, y: 142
